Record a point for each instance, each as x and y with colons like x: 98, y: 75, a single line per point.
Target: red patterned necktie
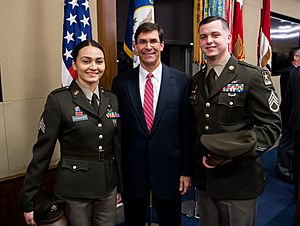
x: 148, y: 102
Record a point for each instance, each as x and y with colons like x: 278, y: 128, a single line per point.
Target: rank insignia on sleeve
x: 42, y: 126
x: 266, y: 78
x: 273, y: 102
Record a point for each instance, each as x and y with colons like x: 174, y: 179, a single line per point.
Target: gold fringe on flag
x: 198, y: 11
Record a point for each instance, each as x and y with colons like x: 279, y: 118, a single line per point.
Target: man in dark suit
x: 286, y: 145
x: 293, y: 103
x: 157, y: 139
x: 235, y: 106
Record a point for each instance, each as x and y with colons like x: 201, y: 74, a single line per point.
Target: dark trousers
x: 168, y: 210
x: 92, y: 212
x: 217, y: 212
x: 296, y: 169
x: 285, y: 153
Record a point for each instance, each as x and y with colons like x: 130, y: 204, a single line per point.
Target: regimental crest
x: 273, y: 102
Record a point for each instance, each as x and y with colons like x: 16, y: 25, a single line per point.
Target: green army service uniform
x: 89, y: 166
x: 243, y: 98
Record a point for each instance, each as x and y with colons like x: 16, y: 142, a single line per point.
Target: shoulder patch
x: 266, y: 77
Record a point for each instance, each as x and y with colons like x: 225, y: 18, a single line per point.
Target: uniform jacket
x: 243, y: 98
x: 156, y: 160
x: 83, y: 134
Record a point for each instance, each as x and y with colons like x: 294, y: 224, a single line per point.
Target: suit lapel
x: 164, y: 92
x: 135, y: 97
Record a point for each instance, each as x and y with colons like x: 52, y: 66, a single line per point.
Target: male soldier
x: 238, y: 118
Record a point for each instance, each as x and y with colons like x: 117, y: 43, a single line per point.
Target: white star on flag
x: 73, y: 3
x: 68, y: 54
x: 72, y: 19
x: 85, y: 21
x: 86, y: 4
x: 82, y: 37
x: 69, y: 37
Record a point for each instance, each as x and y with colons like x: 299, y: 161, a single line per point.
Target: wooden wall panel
x: 107, y: 36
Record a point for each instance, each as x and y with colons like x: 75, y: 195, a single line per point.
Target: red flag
x: 229, y: 17
x: 238, y: 34
x: 264, y: 43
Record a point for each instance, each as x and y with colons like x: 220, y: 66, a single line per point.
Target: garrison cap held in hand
x: 232, y: 144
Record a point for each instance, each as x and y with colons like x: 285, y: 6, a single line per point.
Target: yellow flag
x: 197, y: 18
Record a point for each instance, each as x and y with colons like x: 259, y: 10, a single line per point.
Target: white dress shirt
x: 156, y: 81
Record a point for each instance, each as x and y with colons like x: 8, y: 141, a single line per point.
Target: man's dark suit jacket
x: 284, y: 109
x: 293, y: 98
x: 157, y: 160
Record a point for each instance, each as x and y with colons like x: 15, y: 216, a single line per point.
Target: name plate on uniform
x: 80, y: 118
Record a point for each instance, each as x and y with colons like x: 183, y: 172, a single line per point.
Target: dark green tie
x: 94, y: 102
x: 211, y: 80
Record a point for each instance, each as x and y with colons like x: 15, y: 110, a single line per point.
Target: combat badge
x: 266, y: 78
x: 273, y: 102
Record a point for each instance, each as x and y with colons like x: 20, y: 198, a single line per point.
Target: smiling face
x: 214, y: 40
x: 90, y: 66
x: 148, y: 48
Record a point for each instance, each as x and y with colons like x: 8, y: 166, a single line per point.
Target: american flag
x: 77, y: 28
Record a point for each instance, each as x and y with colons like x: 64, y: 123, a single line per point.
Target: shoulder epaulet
x: 250, y: 65
x: 105, y: 91
x: 58, y: 90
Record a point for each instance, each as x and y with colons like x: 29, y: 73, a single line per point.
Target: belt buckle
x: 101, y: 155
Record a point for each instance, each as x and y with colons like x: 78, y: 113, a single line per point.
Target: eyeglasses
x: 153, y: 42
